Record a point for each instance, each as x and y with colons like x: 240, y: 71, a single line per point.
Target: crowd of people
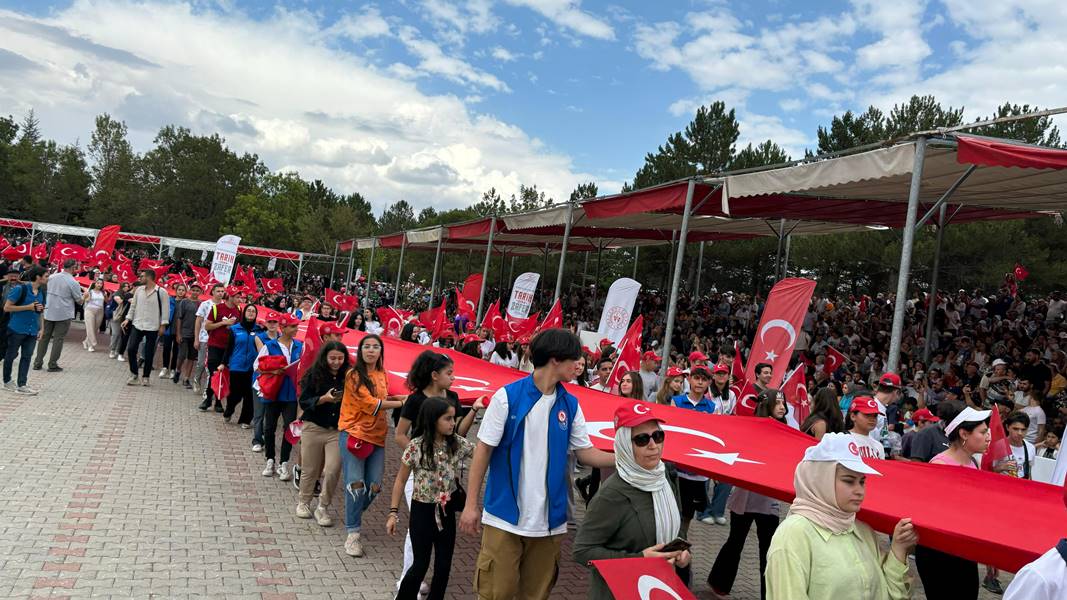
x: 988, y: 352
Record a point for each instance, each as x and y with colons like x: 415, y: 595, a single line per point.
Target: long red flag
x: 554, y: 318
x: 776, y: 336
x: 629, y: 353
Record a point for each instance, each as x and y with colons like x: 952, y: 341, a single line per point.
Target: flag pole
x: 905, y: 255
x: 931, y: 305
x: 672, y: 305
x: 399, y: 270
x: 563, y: 250
x: 485, y: 268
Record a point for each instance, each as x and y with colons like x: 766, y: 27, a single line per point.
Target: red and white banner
x: 392, y: 320
x: 642, y: 579
x: 554, y: 318
x: 618, y: 307
x: 225, y: 257
x: 342, y: 302
x: 795, y: 389
x: 776, y: 337
x: 16, y: 252
x: 834, y: 359
x: 522, y: 295
x: 492, y: 319
x: 61, y: 252
x: 629, y: 353
x: 272, y: 285
x: 519, y: 328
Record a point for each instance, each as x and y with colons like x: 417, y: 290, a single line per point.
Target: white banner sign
x: 522, y: 295
x: 272, y: 264
x: 225, y: 257
x: 618, y: 307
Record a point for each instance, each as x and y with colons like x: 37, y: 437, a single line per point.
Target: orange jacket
x: 361, y: 411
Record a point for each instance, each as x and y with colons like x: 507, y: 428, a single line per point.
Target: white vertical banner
x: 225, y: 257
x: 522, y: 295
x: 618, y: 307
x: 272, y: 264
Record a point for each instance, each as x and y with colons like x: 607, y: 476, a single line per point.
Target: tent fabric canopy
x: 992, y: 152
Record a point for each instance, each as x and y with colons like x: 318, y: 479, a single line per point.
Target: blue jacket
x: 287, y: 393
x: 505, y: 463
x: 704, y: 406
x: 170, y: 325
x: 242, y: 351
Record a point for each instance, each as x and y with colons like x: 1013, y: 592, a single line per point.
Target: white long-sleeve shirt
x: 149, y: 310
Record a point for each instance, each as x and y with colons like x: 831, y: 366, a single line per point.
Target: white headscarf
x: 668, y: 519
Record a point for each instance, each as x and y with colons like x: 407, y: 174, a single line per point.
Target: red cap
x: 866, y: 405
x: 470, y: 337
x: 605, y: 342
x: 330, y: 329
x: 632, y: 414
x: 697, y: 355
x: 889, y: 380
x: 700, y: 369
x: 270, y: 315
x: 674, y: 372
x: 286, y: 319
x: 505, y: 338
x: 650, y: 355
x: 720, y: 368
x: 524, y: 340
x: 233, y: 290
x: 924, y: 414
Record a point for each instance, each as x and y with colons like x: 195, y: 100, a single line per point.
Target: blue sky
x: 436, y: 101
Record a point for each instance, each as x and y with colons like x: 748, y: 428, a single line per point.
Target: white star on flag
x: 728, y: 457
x: 771, y: 356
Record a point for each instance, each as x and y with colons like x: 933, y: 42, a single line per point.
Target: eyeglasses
x: 641, y: 440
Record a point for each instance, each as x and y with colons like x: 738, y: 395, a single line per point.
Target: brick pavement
x: 130, y: 492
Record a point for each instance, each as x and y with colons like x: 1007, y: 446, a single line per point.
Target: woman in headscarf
x: 821, y: 534
x: 636, y: 512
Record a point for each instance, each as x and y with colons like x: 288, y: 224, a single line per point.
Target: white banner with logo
x: 272, y: 264
x: 522, y: 295
x: 618, y: 307
x: 225, y: 257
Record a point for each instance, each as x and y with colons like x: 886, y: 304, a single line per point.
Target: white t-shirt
x: 203, y: 311
x: 512, y: 361
x: 869, y: 448
x: 1020, y: 455
x: 533, y: 491
x: 1043, y: 579
x: 1037, y: 419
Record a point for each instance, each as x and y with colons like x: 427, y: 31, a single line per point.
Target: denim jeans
x: 720, y: 493
x: 22, y: 345
x: 257, y: 420
x: 369, y: 473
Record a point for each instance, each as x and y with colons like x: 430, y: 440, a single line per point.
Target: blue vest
x: 244, y: 348
x: 287, y: 393
x: 505, y: 463
x: 704, y: 406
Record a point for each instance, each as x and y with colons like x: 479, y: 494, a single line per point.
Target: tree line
x: 195, y: 186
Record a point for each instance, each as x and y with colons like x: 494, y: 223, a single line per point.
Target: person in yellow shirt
x: 820, y: 550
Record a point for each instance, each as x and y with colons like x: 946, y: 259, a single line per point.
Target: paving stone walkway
x: 109, y: 491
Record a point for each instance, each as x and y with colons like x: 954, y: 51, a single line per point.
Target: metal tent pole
x: 370, y: 270
x: 333, y: 265
x: 934, y: 276
x: 599, y: 260
x: 299, y: 269
x: 511, y: 269
x: 905, y: 255
x: 778, y: 255
x: 470, y: 258
x: 436, y: 262
x: 351, y: 259
x: 637, y: 253
x: 563, y: 251
x: 399, y: 271
x: 33, y: 229
x: 485, y: 269
x: 785, y: 256
x: 585, y: 268
x: 700, y: 269
x: 672, y: 305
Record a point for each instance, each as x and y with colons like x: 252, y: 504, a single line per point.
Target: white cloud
x: 454, y: 21
x: 756, y: 128
x: 900, y: 24
x: 569, y: 15
x: 434, y: 60
x: 503, y: 54
x: 360, y: 26
x: 270, y: 88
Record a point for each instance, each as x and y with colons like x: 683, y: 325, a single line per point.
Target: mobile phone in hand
x: 677, y: 545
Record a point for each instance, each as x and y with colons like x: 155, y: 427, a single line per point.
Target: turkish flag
x: 492, y: 319
x: 312, y: 344
x: 1020, y: 272
x: 61, y: 252
x: 642, y: 579
x: 999, y: 449
x: 518, y: 327
x: 40, y: 251
x: 834, y: 359
x: 335, y: 298
x: 16, y: 252
x: 746, y: 399
x: 435, y: 320
x: 393, y: 319
x: 149, y: 263
x: 554, y: 318
x: 629, y: 353
x: 776, y: 337
x: 105, y: 240
x: 737, y: 370
x: 465, y: 306
x: 796, y: 393
x: 124, y: 271
x: 272, y: 286
x: 203, y: 276
x: 119, y: 256
x: 472, y: 288
x: 4, y: 243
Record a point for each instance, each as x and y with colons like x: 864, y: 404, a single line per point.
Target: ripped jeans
x: 359, y: 477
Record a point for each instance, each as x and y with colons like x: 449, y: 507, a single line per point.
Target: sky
x: 435, y: 102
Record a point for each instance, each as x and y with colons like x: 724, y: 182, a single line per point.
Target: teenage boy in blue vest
x: 693, y: 488
x: 527, y: 433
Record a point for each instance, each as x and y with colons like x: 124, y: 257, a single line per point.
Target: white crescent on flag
x: 647, y: 584
x: 782, y: 324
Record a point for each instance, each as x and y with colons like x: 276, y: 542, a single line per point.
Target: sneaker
x: 322, y: 518
x: 175, y: 376
x: 710, y: 520
x: 164, y: 373
x: 303, y: 511
x: 296, y: 477
x: 257, y: 447
x: 227, y: 418
x: 245, y: 426
x: 268, y: 471
x: 133, y: 380
x: 284, y: 472
x: 353, y: 545
x: 187, y: 385
x: 206, y: 404
x: 27, y: 391
x: 993, y: 585
x: 424, y: 591
x: 55, y: 369
x: 111, y: 355
x: 144, y: 381
x: 121, y: 358
x: 720, y: 520
x: 36, y: 367
x: 10, y: 386
x: 85, y: 344
x: 218, y: 407
x: 196, y: 386
x: 92, y: 348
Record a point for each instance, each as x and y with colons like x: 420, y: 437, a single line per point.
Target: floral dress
x: 436, y: 485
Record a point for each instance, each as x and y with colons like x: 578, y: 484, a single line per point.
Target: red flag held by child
x: 642, y: 579
x: 999, y: 449
x: 796, y: 393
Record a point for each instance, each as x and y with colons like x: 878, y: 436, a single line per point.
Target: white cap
x: 967, y: 415
x: 840, y: 448
x: 999, y: 361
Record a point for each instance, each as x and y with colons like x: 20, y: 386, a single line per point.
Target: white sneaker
x: 322, y: 518
x: 269, y: 470
x: 92, y: 349
x: 164, y: 373
x: 25, y: 391
x: 257, y: 447
x: 284, y: 472
x: 353, y: 545
x: 424, y: 591
x: 196, y: 387
x: 85, y: 344
x: 111, y: 355
x: 133, y: 380
x: 303, y: 511
x: 710, y: 520
x: 144, y: 381
x: 10, y: 386
x: 720, y: 520
x: 121, y: 358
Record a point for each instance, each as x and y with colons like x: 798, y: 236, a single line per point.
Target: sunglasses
x: 642, y: 440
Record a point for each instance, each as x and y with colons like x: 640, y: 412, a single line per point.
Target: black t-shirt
x: 928, y: 443
x: 414, y: 404
x: 1038, y: 375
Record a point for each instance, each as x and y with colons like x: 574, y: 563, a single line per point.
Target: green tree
x: 710, y: 138
x: 114, y: 182
x: 71, y: 186
x: 400, y: 216
x: 490, y: 204
x: 766, y: 153
x: 850, y: 131
x: 921, y: 113
x: 9, y: 130
x: 583, y: 191
x: 1032, y: 131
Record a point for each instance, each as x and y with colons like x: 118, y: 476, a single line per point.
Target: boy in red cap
x: 862, y: 419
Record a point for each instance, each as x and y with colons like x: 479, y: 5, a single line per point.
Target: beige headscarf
x: 668, y: 518
x: 816, y: 498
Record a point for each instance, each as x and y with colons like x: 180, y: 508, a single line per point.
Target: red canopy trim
x: 345, y: 245
x: 137, y: 237
x: 657, y: 199
x: 478, y: 230
x: 999, y: 153
x: 391, y: 241
x: 268, y: 253
x: 16, y: 223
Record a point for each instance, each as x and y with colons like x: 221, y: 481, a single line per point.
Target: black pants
x: 170, y: 351
x: 271, y: 412
x: 214, y: 359
x: 150, y: 338
x: 724, y: 571
x: 425, y: 538
x: 945, y: 576
x: 125, y: 340
x: 240, y: 393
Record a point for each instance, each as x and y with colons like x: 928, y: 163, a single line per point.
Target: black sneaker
x: 188, y: 385
x: 993, y: 585
x: 175, y: 378
x: 55, y: 369
x: 218, y: 407
x: 296, y: 477
x: 206, y: 404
